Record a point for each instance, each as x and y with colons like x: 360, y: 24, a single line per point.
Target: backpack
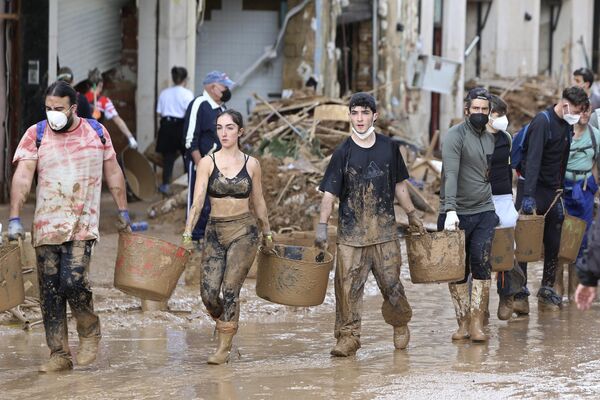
x: 516, y: 152
x: 41, y: 127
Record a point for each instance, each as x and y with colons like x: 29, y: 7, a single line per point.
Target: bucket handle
x: 558, y: 194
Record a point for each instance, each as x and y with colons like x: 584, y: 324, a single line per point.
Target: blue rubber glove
x: 15, y: 229
x: 123, y: 221
x: 528, y: 205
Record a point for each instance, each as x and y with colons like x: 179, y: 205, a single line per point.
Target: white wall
x: 231, y: 42
x: 453, y: 48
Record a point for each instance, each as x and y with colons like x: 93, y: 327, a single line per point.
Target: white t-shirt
x: 173, y: 101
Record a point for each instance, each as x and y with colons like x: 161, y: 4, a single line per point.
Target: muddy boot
x: 401, y: 337
x: 225, y: 331
x: 460, y: 298
x: 505, y: 307
x: 521, y: 304
x: 559, y: 286
x: 56, y: 363
x: 346, y: 346
x: 480, y: 297
x: 548, y: 300
x: 573, y: 281
x: 88, y: 349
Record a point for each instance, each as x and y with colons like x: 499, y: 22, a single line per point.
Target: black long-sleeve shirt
x: 546, y: 151
x: 500, y: 171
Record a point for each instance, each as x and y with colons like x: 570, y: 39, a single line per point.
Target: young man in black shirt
x: 542, y: 171
x: 365, y: 173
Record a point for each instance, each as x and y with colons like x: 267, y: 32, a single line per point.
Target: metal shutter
x: 89, y: 35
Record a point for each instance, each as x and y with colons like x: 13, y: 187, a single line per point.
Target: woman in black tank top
x: 229, y: 178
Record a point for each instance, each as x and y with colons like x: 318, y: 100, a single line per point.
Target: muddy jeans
x: 479, y: 234
x: 63, y: 277
x: 230, y: 248
x: 352, y: 269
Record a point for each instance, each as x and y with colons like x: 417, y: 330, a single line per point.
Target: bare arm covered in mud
x: 21, y: 185
x: 326, y: 207
x: 403, y: 197
x: 258, y: 200
x: 203, y: 171
x: 116, y: 182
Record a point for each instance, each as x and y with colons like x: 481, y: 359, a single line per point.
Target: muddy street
x: 283, y: 352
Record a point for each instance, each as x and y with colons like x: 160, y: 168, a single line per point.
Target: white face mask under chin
x: 363, y: 136
x: 56, y: 119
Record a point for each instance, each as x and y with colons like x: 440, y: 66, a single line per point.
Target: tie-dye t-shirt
x: 69, y: 182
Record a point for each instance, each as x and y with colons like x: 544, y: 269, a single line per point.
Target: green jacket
x: 466, y: 161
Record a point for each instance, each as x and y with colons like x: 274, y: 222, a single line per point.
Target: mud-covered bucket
x: 436, y: 257
x: 147, y: 267
x: 571, y: 236
x: 529, y: 235
x: 293, y: 275
x: 12, y: 291
x: 502, y: 256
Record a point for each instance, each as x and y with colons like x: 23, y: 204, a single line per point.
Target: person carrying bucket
x: 466, y: 203
x: 580, y: 186
x: 542, y: 171
x: 70, y: 155
x: 229, y: 178
x: 366, y: 172
x: 502, y: 196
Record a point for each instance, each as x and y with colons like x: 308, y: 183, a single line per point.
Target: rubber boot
x: 56, y: 363
x: 225, y: 332
x: 505, y: 307
x: 346, y: 346
x: 480, y: 297
x: 460, y: 298
x: 401, y: 337
x: 88, y: 350
x: 559, y: 283
x: 521, y: 305
x: 573, y: 281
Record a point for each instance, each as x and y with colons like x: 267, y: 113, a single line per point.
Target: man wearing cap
x: 83, y: 106
x: 201, y: 137
x: 466, y: 203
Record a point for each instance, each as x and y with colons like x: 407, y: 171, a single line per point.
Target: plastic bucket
x: 293, y: 275
x: 502, y: 256
x: 147, y: 267
x: 436, y: 257
x: 529, y: 235
x: 571, y: 236
x: 12, y: 292
x: 139, y: 174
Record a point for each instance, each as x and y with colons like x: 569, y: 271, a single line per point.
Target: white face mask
x: 368, y: 132
x: 56, y: 119
x: 500, y: 123
x: 571, y: 119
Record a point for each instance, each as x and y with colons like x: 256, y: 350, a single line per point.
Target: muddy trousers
x: 479, y: 234
x: 63, y: 277
x: 230, y: 248
x: 517, y: 278
x: 352, y: 269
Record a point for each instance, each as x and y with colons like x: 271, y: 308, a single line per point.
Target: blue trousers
x: 580, y: 203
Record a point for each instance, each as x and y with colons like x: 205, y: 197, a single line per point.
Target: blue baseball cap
x: 218, y: 77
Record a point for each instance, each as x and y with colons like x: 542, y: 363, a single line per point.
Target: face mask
x: 500, y: 123
x: 571, y: 119
x: 57, y: 120
x: 226, y: 95
x: 368, y: 132
x: 478, y: 120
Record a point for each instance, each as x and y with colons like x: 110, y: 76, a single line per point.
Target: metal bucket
x: 436, y: 257
x: 529, y: 235
x: 147, y: 267
x: 502, y: 256
x: 571, y: 236
x: 293, y: 275
x: 139, y: 174
x: 12, y: 292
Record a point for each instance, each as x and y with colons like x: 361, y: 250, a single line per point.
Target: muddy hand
x: 267, y: 241
x: 15, y: 229
x: 584, y: 296
x: 321, y: 236
x: 414, y: 223
x: 123, y: 221
x: 186, y: 241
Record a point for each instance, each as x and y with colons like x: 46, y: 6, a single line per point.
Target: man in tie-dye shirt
x: 70, y: 160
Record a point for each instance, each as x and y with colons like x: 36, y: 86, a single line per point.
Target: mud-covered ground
x: 283, y: 352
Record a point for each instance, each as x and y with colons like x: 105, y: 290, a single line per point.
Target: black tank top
x: 238, y: 187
